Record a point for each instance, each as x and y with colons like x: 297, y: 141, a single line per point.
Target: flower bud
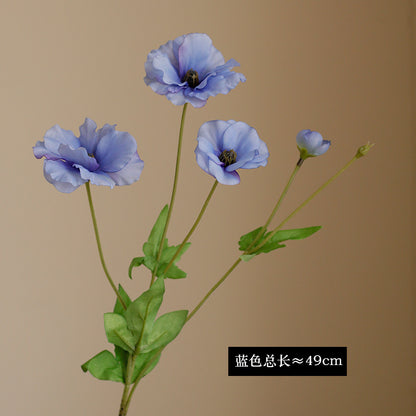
x: 310, y: 144
x: 363, y: 150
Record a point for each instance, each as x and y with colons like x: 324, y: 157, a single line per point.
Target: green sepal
x: 166, y: 329
x: 104, y: 366
x: 118, y: 333
x: 118, y: 308
x: 274, y: 242
x: 142, y: 312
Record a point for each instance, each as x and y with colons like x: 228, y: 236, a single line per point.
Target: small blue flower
x: 103, y: 157
x: 190, y: 70
x: 310, y: 144
x: 225, y: 146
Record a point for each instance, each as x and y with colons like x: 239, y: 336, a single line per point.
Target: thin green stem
x: 100, y: 250
x: 172, y: 198
x: 194, y: 226
x: 129, y: 373
x: 277, y: 206
x: 305, y: 202
x: 227, y: 273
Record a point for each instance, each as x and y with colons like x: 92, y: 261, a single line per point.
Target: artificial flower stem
x: 100, y: 250
x: 305, y: 202
x: 277, y: 206
x: 193, y: 228
x: 124, y: 398
x: 172, y: 198
x: 227, y: 273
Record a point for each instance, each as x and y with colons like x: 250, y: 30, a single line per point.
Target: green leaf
x: 142, y: 312
x: 136, y: 262
x: 174, y: 272
x: 247, y: 239
x: 152, y: 246
x: 118, y: 308
x: 166, y: 329
x: 104, y: 366
x: 145, y: 363
x: 115, y: 326
x: 169, y: 252
x: 274, y: 242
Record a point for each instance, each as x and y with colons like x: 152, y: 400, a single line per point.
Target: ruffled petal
x: 115, y: 150
x: 62, y: 175
x: 213, y: 132
x: 39, y: 150
x: 78, y: 156
x: 96, y: 178
x: 222, y: 176
x: 56, y: 136
x: 88, y: 135
x: 130, y: 173
x: 197, y: 53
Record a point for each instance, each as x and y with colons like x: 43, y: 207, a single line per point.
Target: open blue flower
x: 190, y: 70
x: 310, y: 144
x: 103, y: 157
x: 225, y: 146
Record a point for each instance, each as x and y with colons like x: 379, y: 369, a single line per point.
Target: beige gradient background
x: 344, y: 68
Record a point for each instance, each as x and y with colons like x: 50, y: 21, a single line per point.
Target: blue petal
x: 309, y: 140
x: 222, y: 176
x: 56, y: 136
x: 78, y: 156
x: 322, y: 149
x: 96, y: 178
x: 162, y: 66
x: 213, y: 132
x: 39, y: 150
x: 260, y: 159
x: 130, y: 173
x: 115, y: 150
x: 62, y: 175
x: 88, y: 135
x: 198, y: 53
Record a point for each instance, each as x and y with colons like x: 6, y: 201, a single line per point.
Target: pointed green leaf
x: 141, y: 313
x: 136, y: 262
x: 169, y: 252
x: 165, y: 329
x: 122, y: 357
x: 174, y: 272
x: 104, y: 366
x: 152, y: 246
x: 247, y: 239
x: 118, y: 308
x: 115, y: 326
x: 145, y: 363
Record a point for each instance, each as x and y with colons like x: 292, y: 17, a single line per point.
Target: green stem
x: 129, y: 373
x: 172, y: 198
x: 277, y: 206
x: 193, y: 228
x: 100, y: 250
x: 227, y: 273
x: 321, y: 188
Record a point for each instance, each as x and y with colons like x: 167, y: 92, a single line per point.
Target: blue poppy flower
x: 225, y: 146
x: 310, y: 144
x: 103, y: 157
x: 190, y: 70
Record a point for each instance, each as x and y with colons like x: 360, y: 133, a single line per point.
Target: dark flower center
x: 228, y: 157
x: 191, y: 77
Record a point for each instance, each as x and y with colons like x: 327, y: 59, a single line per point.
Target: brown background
x: 345, y: 68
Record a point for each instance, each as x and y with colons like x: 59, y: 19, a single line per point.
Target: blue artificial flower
x: 225, y: 146
x: 103, y: 157
x: 310, y: 143
x: 190, y: 70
